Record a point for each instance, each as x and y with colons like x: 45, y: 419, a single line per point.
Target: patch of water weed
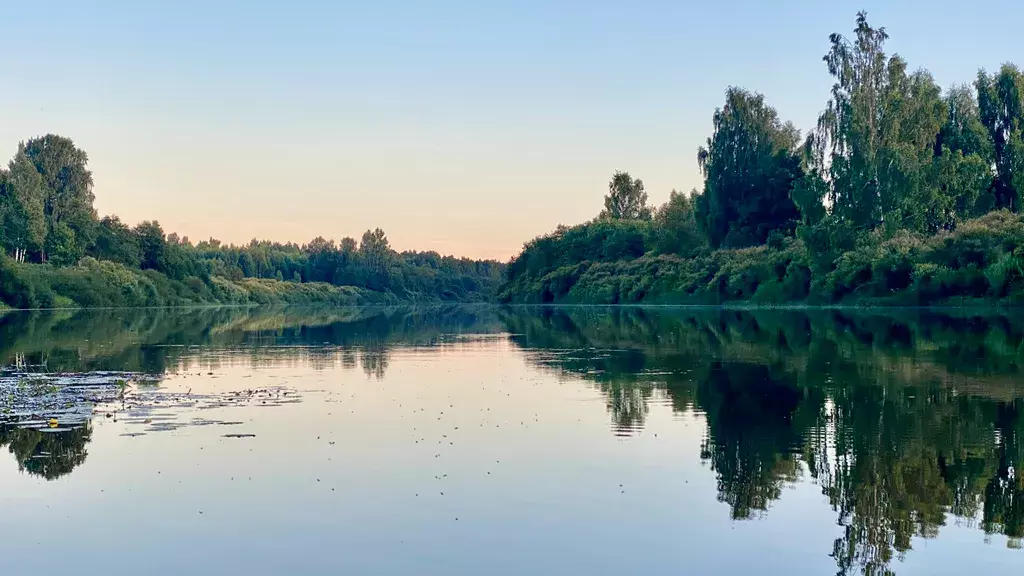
x: 38, y: 400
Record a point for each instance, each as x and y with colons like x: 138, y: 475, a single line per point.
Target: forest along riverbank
x: 904, y: 194
x: 56, y: 252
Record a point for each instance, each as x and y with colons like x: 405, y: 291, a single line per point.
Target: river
x: 483, y: 440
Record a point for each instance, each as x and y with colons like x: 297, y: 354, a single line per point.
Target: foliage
x: 906, y: 420
x: 601, y: 240
x: 979, y: 261
x: 62, y: 254
x: 22, y: 196
x: 876, y: 139
x: 68, y: 199
x: 1001, y: 111
x: 103, y: 284
x: 626, y: 199
x: 675, y: 226
x: 901, y: 195
x: 14, y: 290
x: 749, y: 167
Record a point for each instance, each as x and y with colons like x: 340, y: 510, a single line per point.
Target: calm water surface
x: 462, y: 440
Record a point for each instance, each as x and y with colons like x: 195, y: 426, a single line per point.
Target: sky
x: 464, y: 127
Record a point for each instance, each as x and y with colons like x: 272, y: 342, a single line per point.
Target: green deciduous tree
x: 377, y: 256
x: 963, y: 183
x: 676, y: 225
x: 152, y: 245
x: 22, y: 196
x: 877, y: 140
x: 68, y: 184
x: 61, y: 246
x: 1001, y: 110
x: 850, y: 127
x: 116, y: 242
x: 626, y: 199
x: 963, y: 131
x: 321, y: 260
x: 750, y: 167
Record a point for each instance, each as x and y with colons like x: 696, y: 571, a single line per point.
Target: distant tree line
x: 49, y: 220
x: 901, y: 193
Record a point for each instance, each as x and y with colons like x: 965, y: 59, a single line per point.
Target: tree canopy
x: 48, y: 219
x: 749, y: 166
x: 901, y: 192
x: 626, y: 199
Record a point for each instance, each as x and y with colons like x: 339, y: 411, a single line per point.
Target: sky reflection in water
x: 508, y: 441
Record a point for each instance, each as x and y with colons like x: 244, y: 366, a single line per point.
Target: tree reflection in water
x: 906, y: 420
x: 49, y: 454
x: 903, y: 419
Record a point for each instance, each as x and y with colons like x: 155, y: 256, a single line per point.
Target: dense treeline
x: 58, y: 252
x: 901, y: 194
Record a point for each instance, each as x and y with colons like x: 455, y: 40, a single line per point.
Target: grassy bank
x: 979, y: 263
x: 97, y: 284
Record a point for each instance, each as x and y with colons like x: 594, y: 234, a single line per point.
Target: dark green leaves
x: 750, y: 168
x: 626, y: 199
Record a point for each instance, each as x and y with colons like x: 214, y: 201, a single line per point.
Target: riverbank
x: 101, y: 284
x: 977, y: 264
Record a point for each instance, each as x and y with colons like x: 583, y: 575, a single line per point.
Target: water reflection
x: 168, y: 340
x: 905, y: 420
x: 158, y: 341
x: 48, y: 454
x: 900, y: 419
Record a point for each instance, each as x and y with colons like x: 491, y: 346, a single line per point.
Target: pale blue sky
x: 460, y: 126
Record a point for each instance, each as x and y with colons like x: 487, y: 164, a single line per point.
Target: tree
x: 61, y: 245
x: 321, y: 260
x: 68, y: 184
x: 912, y: 196
x: 877, y: 138
x: 247, y: 264
x: 676, y: 225
x: 115, y: 241
x: 348, y: 271
x: 376, y: 254
x: 964, y: 156
x: 750, y: 167
x: 21, y: 208
x: 1001, y: 110
x: 260, y: 259
x: 808, y: 195
x: 963, y: 131
x: 152, y: 245
x: 626, y: 199
x: 963, y: 185
x: 850, y: 125
x: 15, y: 291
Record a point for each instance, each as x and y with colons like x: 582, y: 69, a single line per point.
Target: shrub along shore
x: 618, y: 263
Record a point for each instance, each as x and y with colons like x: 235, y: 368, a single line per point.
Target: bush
x: 15, y: 291
x: 982, y: 259
x: 602, y: 240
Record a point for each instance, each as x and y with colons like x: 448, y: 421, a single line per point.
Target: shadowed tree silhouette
x: 48, y: 454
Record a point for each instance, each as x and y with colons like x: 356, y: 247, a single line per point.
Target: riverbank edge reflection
x: 906, y: 419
